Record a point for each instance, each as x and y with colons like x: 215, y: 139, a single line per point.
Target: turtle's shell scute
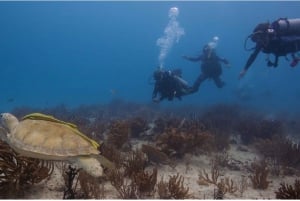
x: 50, y: 139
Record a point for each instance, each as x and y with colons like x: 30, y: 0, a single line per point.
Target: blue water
x: 77, y: 53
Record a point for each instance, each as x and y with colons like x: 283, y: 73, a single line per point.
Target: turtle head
x: 8, y: 121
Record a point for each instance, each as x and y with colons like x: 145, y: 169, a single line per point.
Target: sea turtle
x: 44, y: 137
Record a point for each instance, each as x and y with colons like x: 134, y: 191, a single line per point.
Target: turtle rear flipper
x: 105, y: 162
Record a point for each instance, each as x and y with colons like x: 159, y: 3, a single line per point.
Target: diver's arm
x: 199, y: 58
x: 250, y: 60
x: 223, y: 60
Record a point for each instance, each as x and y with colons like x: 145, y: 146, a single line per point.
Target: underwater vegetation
x: 18, y: 173
x: 175, y: 142
x: 69, y: 192
x: 173, y: 189
x: 118, y: 133
x: 252, y: 129
x: 287, y: 191
x: 260, y: 174
x: 223, y: 185
x: 282, y: 153
x: 131, y: 179
x: 78, y: 184
x: 155, y: 155
x: 141, y: 139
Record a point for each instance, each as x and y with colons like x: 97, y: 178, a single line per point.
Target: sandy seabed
x: 189, y: 167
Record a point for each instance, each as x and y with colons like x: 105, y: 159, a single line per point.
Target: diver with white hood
x: 211, y: 67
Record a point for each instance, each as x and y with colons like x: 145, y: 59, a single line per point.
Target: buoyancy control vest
x: 280, y: 38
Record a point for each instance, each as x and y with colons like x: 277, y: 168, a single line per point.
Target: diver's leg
x: 272, y: 64
x: 219, y: 83
x: 295, y: 60
x: 182, y: 87
x: 276, y: 61
x: 198, y: 82
x: 162, y: 98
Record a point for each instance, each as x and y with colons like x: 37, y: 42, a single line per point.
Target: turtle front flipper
x: 3, y: 134
x: 91, y: 165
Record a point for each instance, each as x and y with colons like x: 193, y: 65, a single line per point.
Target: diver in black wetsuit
x: 210, y: 68
x: 280, y: 38
x: 169, y: 84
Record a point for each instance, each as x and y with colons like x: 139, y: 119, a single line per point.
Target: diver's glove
x: 242, y: 73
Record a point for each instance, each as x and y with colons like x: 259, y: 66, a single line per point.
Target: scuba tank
x: 284, y: 26
x: 281, y: 27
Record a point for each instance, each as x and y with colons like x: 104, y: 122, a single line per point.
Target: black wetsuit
x: 276, y: 42
x: 169, y: 86
x: 210, y: 68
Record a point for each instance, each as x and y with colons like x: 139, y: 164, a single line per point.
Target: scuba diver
x: 211, y: 67
x: 169, y: 84
x: 279, y: 38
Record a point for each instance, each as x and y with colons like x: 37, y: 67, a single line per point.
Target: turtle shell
x: 50, y: 140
